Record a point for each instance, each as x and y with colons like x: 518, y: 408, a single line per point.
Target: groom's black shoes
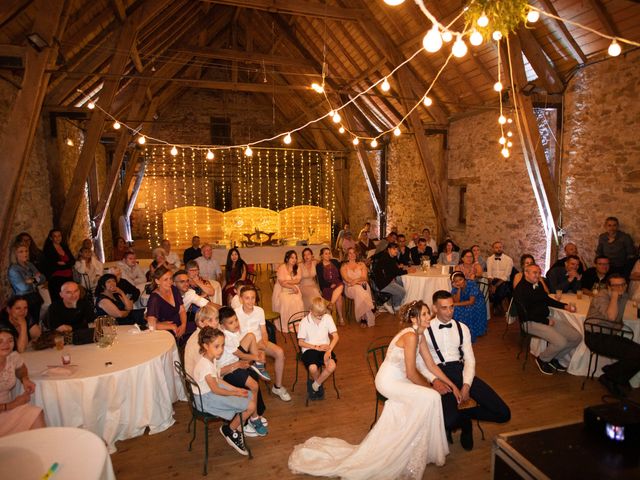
x: 466, y: 437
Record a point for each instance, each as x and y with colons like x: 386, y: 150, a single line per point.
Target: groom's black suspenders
x: 437, y: 348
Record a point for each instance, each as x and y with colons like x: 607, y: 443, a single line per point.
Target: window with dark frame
x: 462, y: 206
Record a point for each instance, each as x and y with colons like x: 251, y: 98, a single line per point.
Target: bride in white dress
x: 409, y: 433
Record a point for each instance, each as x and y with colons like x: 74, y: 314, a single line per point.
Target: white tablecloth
x: 422, y: 285
x: 579, y: 361
x: 273, y: 254
x: 80, y: 455
x: 116, y: 401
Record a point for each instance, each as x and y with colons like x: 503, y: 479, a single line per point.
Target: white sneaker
x: 249, y: 431
x: 282, y: 393
x: 264, y: 421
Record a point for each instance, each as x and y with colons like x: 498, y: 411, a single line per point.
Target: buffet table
x: 115, y: 392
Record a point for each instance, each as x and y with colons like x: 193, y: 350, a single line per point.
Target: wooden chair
x: 376, y: 352
x: 595, y: 332
x: 293, y: 323
x: 198, y: 413
x: 349, y: 310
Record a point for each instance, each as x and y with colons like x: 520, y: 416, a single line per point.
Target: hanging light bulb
x: 505, y: 152
x: 509, y: 144
x: 432, y: 41
x: 248, y: 152
x: 497, y: 86
x: 356, y: 141
x: 174, y: 151
x: 336, y: 118
x: 447, y: 36
x: 509, y: 134
x: 142, y: 140
x: 69, y: 142
x: 397, y: 132
x: 374, y: 143
x: 483, y: 20
x: 497, y: 35
x: 331, y: 112
x: 287, y: 139
x: 614, y: 49
x: 533, y: 16
x: 502, y: 141
x: 317, y: 87
x: 209, y: 155
x: 502, y: 119
x: 91, y: 105
x: 459, y: 48
x: 475, y: 38
x: 116, y: 125
x: 394, y: 3
x: 341, y: 129
x: 509, y: 120
x: 427, y: 101
x: 385, y: 86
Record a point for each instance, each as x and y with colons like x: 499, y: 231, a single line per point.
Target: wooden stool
x: 349, y: 310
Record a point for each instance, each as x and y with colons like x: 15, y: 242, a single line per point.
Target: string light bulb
x: 432, y: 41
x: 91, y: 105
x: 509, y: 134
x: 374, y: 143
x: 317, y: 87
x: 497, y: 86
x: 427, y: 101
x: 483, y: 20
x: 356, y: 141
x: 341, y: 129
x: 336, y: 118
x: 69, y: 142
x: 174, y: 151
x: 209, y: 155
x: 397, y: 132
x: 509, y: 120
x: 505, y: 152
x: 614, y: 49
x: 475, y: 38
x: 533, y: 16
x: 287, y: 139
x: 385, y: 86
x: 447, y: 36
x: 509, y: 144
x: 459, y: 48
x: 502, y: 141
x: 116, y: 125
x: 248, y: 152
x: 497, y: 35
x: 502, y: 119
x: 142, y: 140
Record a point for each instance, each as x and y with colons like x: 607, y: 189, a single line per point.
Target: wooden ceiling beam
x: 119, y: 9
x: 604, y: 18
x: 9, y: 9
x: 303, y: 8
x: 368, y: 127
x: 578, y: 54
x: 246, y: 57
x: 539, y: 61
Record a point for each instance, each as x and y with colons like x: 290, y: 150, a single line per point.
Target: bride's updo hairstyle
x: 411, y: 310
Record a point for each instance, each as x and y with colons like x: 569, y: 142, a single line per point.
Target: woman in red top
x: 58, y: 263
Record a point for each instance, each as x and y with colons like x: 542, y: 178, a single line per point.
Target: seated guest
x: 569, y: 250
x: 330, y: 281
x: 527, y: 259
x: 207, y: 316
x: 533, y: 304
x: 132, y: 272
x: 172, y: 257
x: 57, y: 263
x: 202, y: 287
x: 404, y: 252
x: 309, y: 278
x: 364, y: 246
x: 286, y: 298
x: 346, y: 243
x: 35, y: 254
x: 317, y: 338
x: 566, y: 277
x: 120, y: 247
x: 431, y: 242
x: 366, y: 228
x: 209, y: 266
x: 159, y: 260
x: 193, y: 251
x: 235, y: 301
x: 386, y: 275
x: 165, y: 310
x: 617, y: 246
x: 415, y: 236
x: 235, y: 270
x: 595, y: 278
x: 88, y: 269
x: 470, y: 308
x: 24, y: 278
x: 441, y: 247
x: 72, y: 313
x: 15, y: 318
x: 448, y: 256
x: 340, y: 236
x: 609, y: 305
x: 468, y: 266
x: 16, y: 414
x: 382, y: 244
x: 634, y: 285
x: 421, y: 250
x: 499, y: 267
x: 356, y: 287
x: 129, y: 289
x: 112, y: 301
x: 449, y: 343
x: 477, y: 257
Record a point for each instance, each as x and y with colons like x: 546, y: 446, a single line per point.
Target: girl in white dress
x: 409, y: 433
x: 356, y: 283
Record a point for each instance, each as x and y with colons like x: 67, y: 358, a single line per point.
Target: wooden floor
x: 535, y: 400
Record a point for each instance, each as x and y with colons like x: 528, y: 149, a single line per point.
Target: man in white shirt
x: 171, y: 257
x: 449, y: 343
x: 499, y: 267
x: 189, y: 296
x: 426, y: 234
x: 131, y: 271
x: 209, y: 266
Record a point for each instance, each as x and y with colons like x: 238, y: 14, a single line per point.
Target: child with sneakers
x: 252, y: 320
x: 218, y: 397
x: 317, y: 337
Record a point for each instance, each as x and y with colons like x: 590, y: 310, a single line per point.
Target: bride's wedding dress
x: 408, y: 435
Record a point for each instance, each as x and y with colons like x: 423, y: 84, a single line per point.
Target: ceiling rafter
x: 539, y: 61
x: 578, y: 54
x: 604, y: 18
x: 304, y: 8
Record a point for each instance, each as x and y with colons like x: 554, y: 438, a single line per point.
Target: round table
x: 115, y: 392
x: 78, y: 453
x: 421, y: 285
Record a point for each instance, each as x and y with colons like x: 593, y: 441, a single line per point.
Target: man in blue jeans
x: 386, y: 275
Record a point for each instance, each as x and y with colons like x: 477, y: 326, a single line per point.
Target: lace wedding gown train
x: 408, y: 435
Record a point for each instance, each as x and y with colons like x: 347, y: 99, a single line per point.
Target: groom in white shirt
x: 449, y: 343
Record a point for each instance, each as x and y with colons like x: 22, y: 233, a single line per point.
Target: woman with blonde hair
x: 356, y: 282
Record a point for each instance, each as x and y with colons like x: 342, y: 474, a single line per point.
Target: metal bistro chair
x: 294, y: 320
x: 376, y: 352
x: 511, y: 316
x: 596, y: 331
x: 198, y: 413
x: 525, y: 336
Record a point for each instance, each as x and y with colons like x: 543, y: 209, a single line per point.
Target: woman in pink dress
x: 16, y: 415
x: 356, y: 282
x: 287, y: 299
x: 308, y: 283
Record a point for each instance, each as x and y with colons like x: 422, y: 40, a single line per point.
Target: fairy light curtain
x: 274, y: 179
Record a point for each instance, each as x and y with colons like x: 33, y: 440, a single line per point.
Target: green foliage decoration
x: 504, y: 16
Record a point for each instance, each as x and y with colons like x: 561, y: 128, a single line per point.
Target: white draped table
x: 422, y: 285
x: 115, y: 392
x: 579, y: 361
x: 79, y: 454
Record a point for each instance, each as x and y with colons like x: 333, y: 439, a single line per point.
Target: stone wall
x: 600, y: 169
x: 359, y: 205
